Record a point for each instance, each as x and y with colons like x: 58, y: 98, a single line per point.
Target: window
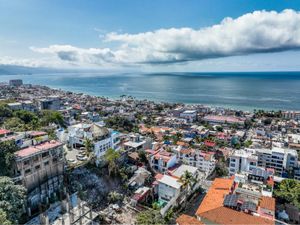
x: 37, y: 167
x: 46, y: 163
x: 232, y: 160
x: 45, y: 154
x: 232, y: 165
x: 26, y: 162
x: 27, y: 171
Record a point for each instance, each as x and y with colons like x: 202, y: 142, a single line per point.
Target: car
x: 71, y: 160
x: 81, y: 157
x: 82, y: 152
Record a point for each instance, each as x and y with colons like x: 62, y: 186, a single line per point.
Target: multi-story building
x: 162, y: 160
x: 102, y: 137
x: 205, y: 162
x: 40, y: 169
x: 189, y: 115
x: 243, y: 160
x: 51, y: 103
x: 280, y: 159
x: 295, y: 115
x: 15, y: 82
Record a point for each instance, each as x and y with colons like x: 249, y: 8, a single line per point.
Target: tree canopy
x: 150, y: 217
x: 8, y: 148
x: 288, y: 191
x: 12, y: 199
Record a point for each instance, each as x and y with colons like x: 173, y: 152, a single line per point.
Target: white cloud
x: 257, y: 32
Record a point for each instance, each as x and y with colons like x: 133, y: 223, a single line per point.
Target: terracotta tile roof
x: 267, y: 203
x: 215, y: 195
x: 38, y: 148
x: 227, y: 216
x: 188, y: 220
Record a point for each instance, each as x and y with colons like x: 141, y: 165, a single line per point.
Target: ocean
x: 245, y: 91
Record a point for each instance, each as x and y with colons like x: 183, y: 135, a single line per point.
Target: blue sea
x: 246, y: 91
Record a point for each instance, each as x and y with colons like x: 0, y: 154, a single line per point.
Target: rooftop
x: 188, y: 220
x: 170, y: 181
x: 38, y: 148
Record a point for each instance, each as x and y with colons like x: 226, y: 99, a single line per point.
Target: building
x: 213, y: 119
x: 295, y: 115
x: 242, y: 161
x: 50, y: 103
x: 280, y: 159
x: 102, y: 137
x: 168, y: 188
x: 222, y: 205
x: 189, y: 115
x: 162, y: 160
x: 40, y: 169
x: 16, y: 82
x: 204, y: 161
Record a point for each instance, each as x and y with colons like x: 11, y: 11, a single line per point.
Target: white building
x: 189, y: 115
x: 242, y: 161
x: 205, y: 162
x: 102, y: 137
x: 168, y: 188
x: 279, y: 159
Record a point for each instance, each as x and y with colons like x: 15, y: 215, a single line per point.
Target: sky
x: 156, y: 35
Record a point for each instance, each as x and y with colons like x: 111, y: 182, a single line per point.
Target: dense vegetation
x: 12, y: 200
x: 288, y: 191
x: 121, y: 123
x: 21, y: 120
x: 8, y: 148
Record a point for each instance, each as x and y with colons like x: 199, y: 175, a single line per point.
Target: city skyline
x: 152, y: 36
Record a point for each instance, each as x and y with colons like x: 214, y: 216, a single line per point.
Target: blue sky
x: 76, y: 33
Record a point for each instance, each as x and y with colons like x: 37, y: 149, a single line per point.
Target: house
x: 141, y: 195
x: 162, y: 160
x: 168, y: 188
x: 222, y: 205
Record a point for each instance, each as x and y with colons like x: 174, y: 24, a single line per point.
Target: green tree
x: 7, y: 150
x: 12, y: 199
x: 5, y: 111
x: 150, y: 217
x: 111, y: 156
x: 3, y: 218
x: 14, y: 124
x: 288, y: 191
x: 89, y: 146
x: 221, y: 169
x: 50, y: 116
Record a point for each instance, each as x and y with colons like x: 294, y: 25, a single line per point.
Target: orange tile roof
x: 188, y: 220
x: 226, y: 216
x: 267, y: 203
x: 215, y: 195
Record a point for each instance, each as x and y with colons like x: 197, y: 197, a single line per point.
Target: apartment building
x: 243, y: 160
x: 205, y: 162
x: 40, y: 169
x: 280, y: 159
x: 162, y: 160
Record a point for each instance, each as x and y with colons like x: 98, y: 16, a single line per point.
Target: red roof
x: 4, y: 131
x: 209, y: 143
x: 37, y: 148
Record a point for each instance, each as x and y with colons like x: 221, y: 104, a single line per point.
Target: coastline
x: 248, y: 92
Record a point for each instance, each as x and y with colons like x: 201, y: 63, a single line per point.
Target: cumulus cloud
x: 257, y: 32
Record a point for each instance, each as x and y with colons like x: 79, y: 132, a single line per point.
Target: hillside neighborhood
x: 72, y: 158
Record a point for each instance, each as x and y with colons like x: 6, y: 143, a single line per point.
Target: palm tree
x: 89, y: 146
x: 188, y: 181
x: 111, y: 157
